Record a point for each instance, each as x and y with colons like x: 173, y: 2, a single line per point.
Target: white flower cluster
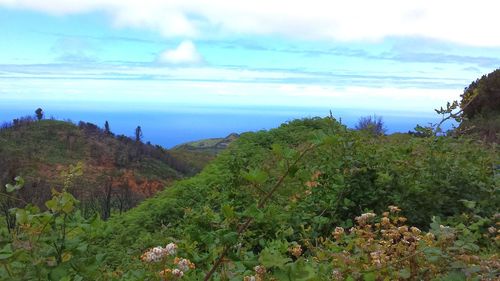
x: 177, y: 273
x: 184, y: 264
x: 166, y: 274
x: 157, y: 253
x: 171, y: 249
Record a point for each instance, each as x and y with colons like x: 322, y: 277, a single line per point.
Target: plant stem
x: 260, y: 205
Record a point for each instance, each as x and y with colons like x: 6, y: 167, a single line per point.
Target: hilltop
x: 212, y: 146
x: 117, y: 172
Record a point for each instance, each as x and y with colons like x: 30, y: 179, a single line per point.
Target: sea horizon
x: 180, y: 124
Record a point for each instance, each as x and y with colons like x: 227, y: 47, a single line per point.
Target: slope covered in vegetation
x: 311, y: 200
x: 212, y: 146
x: 320, y: 176
x: 116, y: 171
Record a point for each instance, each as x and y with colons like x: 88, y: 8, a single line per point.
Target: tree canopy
x: 482, y: 97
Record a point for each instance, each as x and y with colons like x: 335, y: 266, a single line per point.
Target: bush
x: 371, y: 124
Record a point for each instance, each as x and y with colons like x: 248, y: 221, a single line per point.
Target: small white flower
x: 171, y: 249
x: 183, y: 265
x: 177, y: 272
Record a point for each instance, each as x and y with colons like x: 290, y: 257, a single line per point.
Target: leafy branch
x: 261, y: 204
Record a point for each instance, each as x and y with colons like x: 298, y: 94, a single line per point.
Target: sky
x: 159, y: 55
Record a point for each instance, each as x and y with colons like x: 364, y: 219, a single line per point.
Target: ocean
x: 180, y: 124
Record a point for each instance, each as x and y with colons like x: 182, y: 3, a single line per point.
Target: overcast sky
x: 380, y: 55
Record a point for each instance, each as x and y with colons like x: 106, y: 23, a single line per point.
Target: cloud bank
x: 454, y: 21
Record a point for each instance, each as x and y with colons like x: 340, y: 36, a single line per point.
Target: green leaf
x: 302, y: 271
x: 59, y: 273
x: 52, y: 205
x: 454, y: 276
x: 256, y: 176
x: 468, y: 204
x: 272, y: 258
x: 227, y: 211
x: 230, y: 238
x: 370, y: 276
x: 6, y: 252
x: 254, y: 212
x: 19, y: 183
x: 22, y: 216
x: 330, y: 140
x: 67, y: 202
x: 9, y: 187
x: 277, y: 149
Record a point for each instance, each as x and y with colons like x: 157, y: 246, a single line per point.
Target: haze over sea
x: 176, y: 125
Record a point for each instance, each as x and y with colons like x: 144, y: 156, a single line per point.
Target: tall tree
x: 39, y: 113
x: 138, y: 134
x: 106, y: 128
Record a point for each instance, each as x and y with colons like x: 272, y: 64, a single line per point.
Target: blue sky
x: 106, y: 55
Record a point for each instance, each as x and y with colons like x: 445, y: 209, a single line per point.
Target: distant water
x: 182, y: 124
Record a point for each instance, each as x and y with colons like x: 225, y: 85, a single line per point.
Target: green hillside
x: 211, y: 146
x: 310, y: 200
x: 325, y: 176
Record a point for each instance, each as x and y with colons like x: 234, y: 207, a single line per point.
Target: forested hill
x: 115, y: 172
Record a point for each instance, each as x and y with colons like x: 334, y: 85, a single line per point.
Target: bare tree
x: 371, y: 124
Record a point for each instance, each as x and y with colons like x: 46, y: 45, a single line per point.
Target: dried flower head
x: 177, y: 273
x: 296, y: 251
x: 337, y: 275
x: 338, y: 232
x: 365, y: 218
x: 260, y: 270
x: 165, y: 273
x: 184, y: 264
x: 415, y: 230
x: 492, y: 230
x: 394, y: 209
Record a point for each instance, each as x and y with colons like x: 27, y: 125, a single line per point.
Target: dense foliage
x: 482, y: 97
x: 481, y: 107
x: 295, y: 203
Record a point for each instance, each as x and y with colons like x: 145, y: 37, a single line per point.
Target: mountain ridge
x: 41, y: 151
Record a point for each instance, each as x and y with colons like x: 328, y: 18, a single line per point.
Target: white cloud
x: 461, y: 22
x: 185, y: 53
x: 203, y: 85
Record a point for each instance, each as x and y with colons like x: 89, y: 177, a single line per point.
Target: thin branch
x: 260, y: 205
x: 12, y: 197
